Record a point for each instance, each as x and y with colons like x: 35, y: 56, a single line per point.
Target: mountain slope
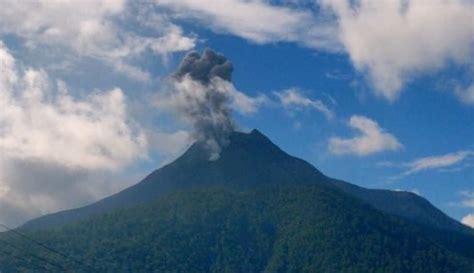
x: 249, y: 161
x: 272, y: 229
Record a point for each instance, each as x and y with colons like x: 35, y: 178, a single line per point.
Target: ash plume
x: 201, y: 97
x: 204, y: 68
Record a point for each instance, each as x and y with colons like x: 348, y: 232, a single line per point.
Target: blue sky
x: 382, y: 104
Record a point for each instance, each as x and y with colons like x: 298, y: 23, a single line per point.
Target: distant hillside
x: 302, y: 228
x: 404, y: 204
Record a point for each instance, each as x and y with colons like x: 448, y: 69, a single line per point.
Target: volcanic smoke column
x: 200, y: 96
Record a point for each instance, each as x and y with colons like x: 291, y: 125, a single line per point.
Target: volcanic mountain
x: 254, y: 209
x: 250, y: 161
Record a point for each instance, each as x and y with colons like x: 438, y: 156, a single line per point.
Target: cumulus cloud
x: 293, y: 99
x: 255, y: 21
x: 30, y: 188
x: 203, y: 95
x: 57, y: 149
x: 468, y: 220
x: 394, y: 41
x: 390, y: 41
x: 371, y: 139
x: 41, y: 120
x: 93, y: 29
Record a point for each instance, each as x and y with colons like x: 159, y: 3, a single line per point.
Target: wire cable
x: 48, y: 248
x: 30, y: 262
x: 44, y: 260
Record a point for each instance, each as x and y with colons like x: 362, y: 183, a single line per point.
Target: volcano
x: 254, y: 209
x: 251, y: 160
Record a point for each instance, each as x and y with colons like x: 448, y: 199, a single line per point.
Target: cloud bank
x: 30, y: 188
x: 41, y: 120
x: 394, y: 41
x: 390, y: 42
x: 371, y: 139
x: 54, y: 146
x: 94, y: 29
x: 258, y: 21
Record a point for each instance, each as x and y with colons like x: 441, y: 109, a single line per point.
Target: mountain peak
x: 252, y: 143
x: 248, y: 160
x: 257, y: 133
x: 257, y: 136
x: 254, y: 136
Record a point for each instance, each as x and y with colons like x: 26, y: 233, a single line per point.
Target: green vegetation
x: 278, y: 229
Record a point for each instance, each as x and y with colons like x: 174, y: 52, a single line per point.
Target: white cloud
x: 415, y: 191
x: 59, y: 151
x: 372, y: 139
x: 258, y: 21
x: 468, y: 199
x: 392, y: 41
x: 92, y: 29
x: 40, y: 120
x: 395, y: 40
x: 468, y: 220
x: 30, y: 188
x: 292, y: 98
x: 437, y: 162
x: 466, y: 95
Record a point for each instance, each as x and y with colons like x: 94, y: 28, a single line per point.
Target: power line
x: 37, y: 265
x: 44, y: 260
x: 48, y: 248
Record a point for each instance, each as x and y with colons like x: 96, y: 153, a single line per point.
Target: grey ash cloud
x: 203, y: 95
x: 205, y: 67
